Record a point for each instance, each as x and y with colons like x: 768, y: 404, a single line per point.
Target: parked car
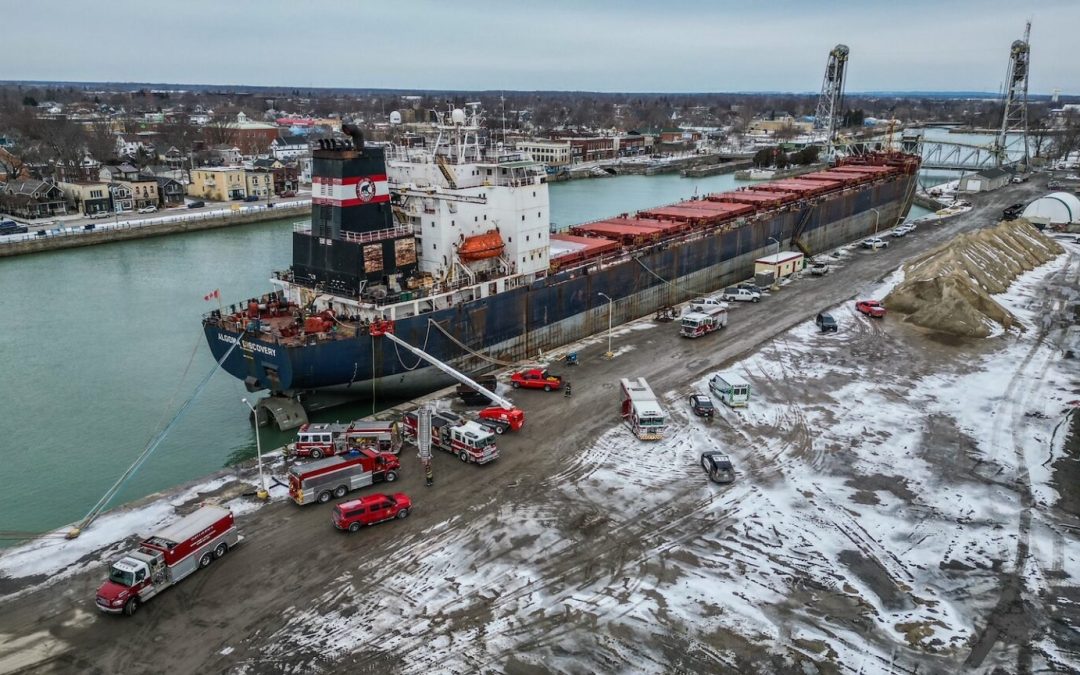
x: 89, y: 226
x: 875, y: 243
x: 148, y: 209
x: 99, y: 214
x: 871, y: 308
x: 702, y: 405
x: 819, y: 269
x: 288, y: 193
x: 196, y: 204
x: 370, y: 509
x: 900, y: 231
x: 706, y: 303
x: 826, y: 323
x: 1012, y: 212
x: 11, y: 227
x: 734, y: 294
x: 752, y: 287
x: 251, y: 198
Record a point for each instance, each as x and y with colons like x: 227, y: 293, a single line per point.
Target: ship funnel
x: 355, y: 134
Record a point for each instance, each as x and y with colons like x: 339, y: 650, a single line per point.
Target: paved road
x: 292, y: 554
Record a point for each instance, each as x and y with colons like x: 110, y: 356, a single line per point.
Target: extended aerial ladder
x: 511, y: 414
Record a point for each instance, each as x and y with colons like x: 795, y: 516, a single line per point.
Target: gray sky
x: 632, y: 45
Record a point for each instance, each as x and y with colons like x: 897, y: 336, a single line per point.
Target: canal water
x: 103, y: 344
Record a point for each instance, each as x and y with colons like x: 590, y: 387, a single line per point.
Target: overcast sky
x: 600, y: 45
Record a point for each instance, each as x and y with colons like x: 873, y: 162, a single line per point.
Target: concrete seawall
x: 104, y: 236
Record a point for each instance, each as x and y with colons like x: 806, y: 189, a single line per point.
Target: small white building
x: 987, y: 179
x: 780, y: 265
x: 289, y: 147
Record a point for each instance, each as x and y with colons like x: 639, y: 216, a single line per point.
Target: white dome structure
x: 1057, y: 208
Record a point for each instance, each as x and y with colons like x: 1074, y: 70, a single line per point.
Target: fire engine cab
x: 470, y: 441
x: 641, y: 411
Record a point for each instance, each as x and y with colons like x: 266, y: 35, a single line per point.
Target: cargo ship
x: 451, y: 240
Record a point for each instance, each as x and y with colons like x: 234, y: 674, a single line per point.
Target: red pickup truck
x: 535, y: 378
x: 871, y: 308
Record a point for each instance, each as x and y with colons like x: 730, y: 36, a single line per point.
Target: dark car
x: 89, y: 226
x: 11, y: 227
x: 196, y: 205
x: 718, y: 467
x: 1013, y: 212
x: 752, y: 287
x: 702, y: 405
x: 826, y: 323
x: 251, y: 198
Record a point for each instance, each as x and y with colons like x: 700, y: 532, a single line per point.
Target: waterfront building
x: 170, y: 192
x: 87, y: 197
x: 144, y: 190
x: 112, y: 173
x: 218, y: 183
x: 551, y: 153
x: 33, y: 199
x: 121, y: 197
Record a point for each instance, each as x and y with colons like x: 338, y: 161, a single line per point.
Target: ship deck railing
x: 361, y: 237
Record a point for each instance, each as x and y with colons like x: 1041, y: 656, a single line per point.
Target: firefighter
x: 566, y: 390
x: 428, y: 474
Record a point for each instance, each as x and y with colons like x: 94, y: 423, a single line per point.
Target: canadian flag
x: 216, y: 293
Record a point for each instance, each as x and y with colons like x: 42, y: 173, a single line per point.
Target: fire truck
x: 641, y: 411
x: 166, y: 557
x: 334, y: 476
x: 470, y: 441
x: 703, y: 322
x: 326, y: 440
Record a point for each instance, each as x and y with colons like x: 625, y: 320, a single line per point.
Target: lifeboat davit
x: 481, y: 246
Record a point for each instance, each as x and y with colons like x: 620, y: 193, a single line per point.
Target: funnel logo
x: 365, y: 190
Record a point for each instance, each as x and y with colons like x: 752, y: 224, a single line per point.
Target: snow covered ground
x: 892, y: 493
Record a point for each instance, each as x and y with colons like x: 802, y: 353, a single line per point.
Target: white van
x: 732, y: 389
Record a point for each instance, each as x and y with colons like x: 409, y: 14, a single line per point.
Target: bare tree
x: 101, y: 140
x: 219, y: 131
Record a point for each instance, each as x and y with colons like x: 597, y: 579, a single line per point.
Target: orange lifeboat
x: 481, y: 246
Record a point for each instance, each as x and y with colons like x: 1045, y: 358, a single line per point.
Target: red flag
x: 216, y: 293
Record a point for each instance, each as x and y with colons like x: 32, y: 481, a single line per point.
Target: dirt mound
x: 949, y: 288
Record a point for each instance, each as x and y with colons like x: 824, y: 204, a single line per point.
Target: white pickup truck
x: 706, y: 303
x: 734, y: 294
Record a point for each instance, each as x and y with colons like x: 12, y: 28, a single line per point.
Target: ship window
x: 451, y: 223
x: 523, y: 217
x: 435, y: 247
x: 510, y: 240
x: 489, y: 172
x: 476, y: 219
x: 485, y: 216
x: 527, y: 237
x: 534, y: 193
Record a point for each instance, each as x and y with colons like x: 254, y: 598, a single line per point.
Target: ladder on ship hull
x: 800, y: 227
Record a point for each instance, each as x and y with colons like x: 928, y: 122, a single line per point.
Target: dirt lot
x: 896, y: 510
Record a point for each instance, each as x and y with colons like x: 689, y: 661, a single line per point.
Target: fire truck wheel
x: 354, y: 527
x: 403, y: 513
x: 340, y: 491
x: 463, y: 456
x: 206, y: 559
x: 499, y: 428
x: 547, y: 387
x: 131, y: 606
x: 316, y: 454
x: 221, y: 550
x: 324, y: 497
x: 390, y: 476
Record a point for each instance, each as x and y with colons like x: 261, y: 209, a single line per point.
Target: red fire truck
x: 325, y: 440
x: 166, y: 557
x: 334, y: 476
x: 470, y: 441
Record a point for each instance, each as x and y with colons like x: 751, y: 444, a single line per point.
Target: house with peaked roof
x: 170, y: 192
x: 121, y: 197
x: 32, y: 198
x: 289, y: 147
x: 88, y: 197
x: 117, y: 172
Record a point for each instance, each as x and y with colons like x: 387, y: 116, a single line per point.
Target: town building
x: 144, y: 190
x: 221, y: 183
x: 121, y: 197
x: 111, y: 173
x: 258, y: 183
x: 780, y: 265
x: 88, y: 197
x: 289, y: 147
x: 170, y: 192
x: 286, y: 175
x: 32, y: 198
x: 551, y: 153
x: 226, y: 154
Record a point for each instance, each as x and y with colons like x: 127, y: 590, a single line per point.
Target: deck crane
x: 504, y: 410
x: 830, y: 104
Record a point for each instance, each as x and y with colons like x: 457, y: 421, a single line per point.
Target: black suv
x: 1013, y: 212
x: 826, y: 323
x: 702, y: 405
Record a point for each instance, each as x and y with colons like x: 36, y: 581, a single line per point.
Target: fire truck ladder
x: 386, y: 329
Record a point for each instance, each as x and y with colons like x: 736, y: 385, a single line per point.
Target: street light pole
x: 777, y: 246
x: 262, y: 492
x: 877, y: 217
x: 608, y: 354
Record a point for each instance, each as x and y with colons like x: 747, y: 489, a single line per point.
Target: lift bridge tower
x: 831, y: 102
x: 1014, y: 120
